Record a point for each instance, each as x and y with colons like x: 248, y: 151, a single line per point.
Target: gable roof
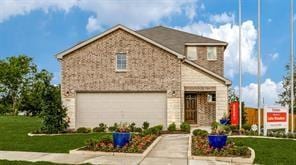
x: 86, y: 42
x: 176, y: 39
x: 161, y: 44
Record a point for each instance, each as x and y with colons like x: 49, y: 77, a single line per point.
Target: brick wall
x: 216, y: 66
x: 149, y: 68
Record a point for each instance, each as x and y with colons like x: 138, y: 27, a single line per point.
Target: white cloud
x: 269, y: 92
x: 10, y: 8
x: 93, y: 24
x: 229, y: 33
x: 222, y: 18
x: 135, y: 14
x: 274, y: 56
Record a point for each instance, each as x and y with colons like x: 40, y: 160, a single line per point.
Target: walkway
x: 171, y: 150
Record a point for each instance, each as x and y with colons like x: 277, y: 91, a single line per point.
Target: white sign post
x: 275, y: 117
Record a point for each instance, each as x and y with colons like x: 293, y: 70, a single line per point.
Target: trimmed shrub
x: 83, y: 130
x: 172, y: 127
x: 132, y: 127
x: 246, y: 126
x: 145, y: 125
x: 102, y: 127
x: 138, y: 129
x: 153, y: 130
x: 113, y: 128
x: 199, y: 132
x: 185, y: 127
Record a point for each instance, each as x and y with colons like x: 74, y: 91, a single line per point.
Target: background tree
x: 34, y: 94
x: 285, y: 95
x: 15, y: 74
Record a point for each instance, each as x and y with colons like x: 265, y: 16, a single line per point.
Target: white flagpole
x: 259, y: 67
x: 292, y: 65
x: 240, y: 64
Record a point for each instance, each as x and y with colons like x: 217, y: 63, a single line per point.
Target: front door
x: 191, y: 108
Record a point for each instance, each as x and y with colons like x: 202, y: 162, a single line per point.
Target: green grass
x: 270, y: 151
x: 13, y: 136
x: 6, y: 162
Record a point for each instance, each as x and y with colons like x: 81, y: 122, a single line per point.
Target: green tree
x: 34, y: 94
x: 15, y: 74
x: 285, y: 95
x: 53, y: 113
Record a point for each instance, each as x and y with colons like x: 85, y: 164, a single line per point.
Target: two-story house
x: 160, y: 75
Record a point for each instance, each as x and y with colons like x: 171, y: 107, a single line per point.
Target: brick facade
x: 216, y: 66
x: 149, y: 68
x: 92, y: 68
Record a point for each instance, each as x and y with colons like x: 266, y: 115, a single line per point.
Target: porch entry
x: 200, y: 108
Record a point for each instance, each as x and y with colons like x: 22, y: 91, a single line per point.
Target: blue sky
x: 42, y: 29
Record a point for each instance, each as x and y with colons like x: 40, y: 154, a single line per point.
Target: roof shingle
x: 175, y: 39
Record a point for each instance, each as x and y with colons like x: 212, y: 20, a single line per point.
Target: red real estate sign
x: 276, y: 117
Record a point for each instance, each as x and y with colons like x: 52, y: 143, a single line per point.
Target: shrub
x: 199, y: 132
x: 145, y: 125
x: 172, y: 127
x: 153, y: 130
x: 132, y: 127
x: 113, y: 128
x: 246, y: 126
x: 138, y: 129
x: 83, y: 130
x: 185, y: 127
x: 102, y: 127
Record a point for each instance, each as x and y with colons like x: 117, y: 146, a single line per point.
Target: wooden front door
x: 191, y: 108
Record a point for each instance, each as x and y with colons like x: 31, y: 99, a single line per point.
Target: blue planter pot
x: 217, y: 141
x: 224, y: 121
x: 120, y: 139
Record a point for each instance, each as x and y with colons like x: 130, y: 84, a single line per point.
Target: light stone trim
x: 173, y: 111
x: 192, y: 77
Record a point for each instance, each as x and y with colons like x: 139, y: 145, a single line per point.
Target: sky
x: 41, y: 29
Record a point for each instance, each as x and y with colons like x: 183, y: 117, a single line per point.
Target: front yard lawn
x: 271, y: 151
x: 13, y: 136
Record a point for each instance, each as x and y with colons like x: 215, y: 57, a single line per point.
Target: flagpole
x: 259, y: 67
x: 292, y: 65
x: 240, y: 64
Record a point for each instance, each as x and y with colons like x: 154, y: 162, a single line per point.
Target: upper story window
x: 191, y: 53
x: 212, y: 53
x: 121, y: 62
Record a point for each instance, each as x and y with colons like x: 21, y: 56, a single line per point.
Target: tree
x: 34, y: 94
x: 285, y: 95
x: 15, y: 74
x: 54, y: 115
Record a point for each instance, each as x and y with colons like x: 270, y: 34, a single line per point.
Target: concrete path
x: 171, y: 150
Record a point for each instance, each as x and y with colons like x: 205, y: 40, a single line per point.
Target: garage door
x: 108, y: 108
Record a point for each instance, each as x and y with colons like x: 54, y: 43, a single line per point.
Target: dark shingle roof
x: 175, y: 39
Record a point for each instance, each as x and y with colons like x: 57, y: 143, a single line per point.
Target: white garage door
x: 108, y: 108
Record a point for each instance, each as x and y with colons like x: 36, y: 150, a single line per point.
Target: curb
x: 240, y: 160
x: 100, y: 153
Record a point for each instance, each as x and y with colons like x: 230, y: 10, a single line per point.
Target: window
x: 212, y: 53
x: 191, y: 53
x: 211, y: 97
x: 121, y: 62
